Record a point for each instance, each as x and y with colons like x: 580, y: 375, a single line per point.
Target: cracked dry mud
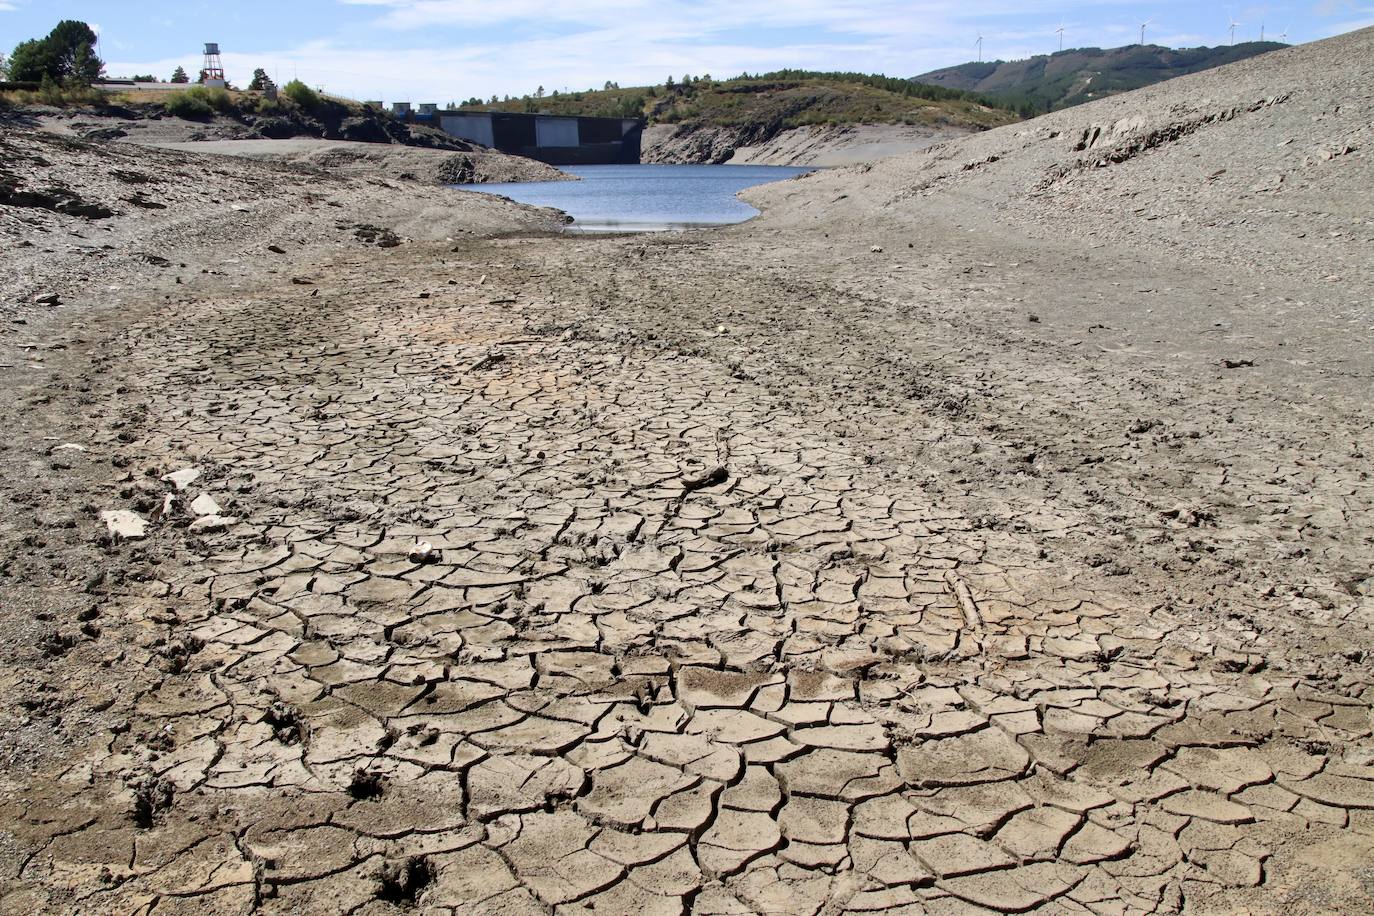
x: 491, y: 577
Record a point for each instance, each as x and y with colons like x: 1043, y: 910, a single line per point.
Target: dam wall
x: 555, y: 139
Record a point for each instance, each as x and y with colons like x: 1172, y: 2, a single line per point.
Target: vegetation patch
x: 199, y: 102
x: 302, y: 95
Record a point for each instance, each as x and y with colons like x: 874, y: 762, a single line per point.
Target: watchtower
x: 212, y: 72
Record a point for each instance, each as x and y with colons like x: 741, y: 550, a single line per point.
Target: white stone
x: 181, y: 479
x: 213, y: 523
x: 205, y: 504
x: 423, y: 552
x: 124, y: 525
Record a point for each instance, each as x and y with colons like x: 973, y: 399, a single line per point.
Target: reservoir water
x: 646, y: 198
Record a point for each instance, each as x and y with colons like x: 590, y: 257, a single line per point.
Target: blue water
x: 647, y: 198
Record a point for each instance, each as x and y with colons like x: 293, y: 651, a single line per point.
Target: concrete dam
x: 555, y: 139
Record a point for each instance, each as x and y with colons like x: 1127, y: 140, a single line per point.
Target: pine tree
x: 66, y: 55
x: 179, y: 76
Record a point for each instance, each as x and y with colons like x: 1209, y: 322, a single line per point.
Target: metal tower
x: 212, y: 72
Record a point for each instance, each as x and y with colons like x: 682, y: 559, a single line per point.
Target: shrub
x: 301, y: 94
x: 216, y: 98
x: 198, y: 102
x: 186, y: 105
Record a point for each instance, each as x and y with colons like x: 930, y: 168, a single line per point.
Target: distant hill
x: 772, y: 102
x: 1049, y: 81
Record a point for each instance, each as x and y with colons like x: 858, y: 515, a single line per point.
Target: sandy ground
x: 982, y: 531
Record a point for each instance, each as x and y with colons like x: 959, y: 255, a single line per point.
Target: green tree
x: 179, y: 75
x: 261, y: 81
x: 30, y: 62
x: 143, y: 78
x: 66, y: 55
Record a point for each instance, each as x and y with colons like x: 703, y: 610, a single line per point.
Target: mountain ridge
x: 1046, y: 82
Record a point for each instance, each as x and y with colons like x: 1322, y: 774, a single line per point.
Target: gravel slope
x: 391, y: 160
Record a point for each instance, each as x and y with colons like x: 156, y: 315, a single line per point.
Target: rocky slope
x: 143, y: 118
x: 124, y: 210
x: 803, y: 146
x: 431, y: 166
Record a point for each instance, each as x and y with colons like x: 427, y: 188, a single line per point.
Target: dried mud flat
x: 785, y: 569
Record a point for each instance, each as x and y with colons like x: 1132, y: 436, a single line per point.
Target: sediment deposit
x: 820, y: 146
x: 980, y: 531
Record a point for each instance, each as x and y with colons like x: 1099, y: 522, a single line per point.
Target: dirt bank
x: 982, y: 531
x: 818, y: 146
x: 432, y: 166
x: 853, y: 144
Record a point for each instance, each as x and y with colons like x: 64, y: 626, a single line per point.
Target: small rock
x: 424, y: 552
x: 47, y: 299
x: 276, y: 249
x: 205, y: 504
x: 181, y: 479
x: 124, y: 525
x: 210, y: 523
x: 876, y: 249
x: 168, y: 503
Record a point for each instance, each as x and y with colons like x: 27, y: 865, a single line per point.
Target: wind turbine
x: 1233, y: 28
x: 1142, y: 30
x: 1283, y: 36
x: 1261, y: 30
x: 979, y: 43
x: 1060, y: 32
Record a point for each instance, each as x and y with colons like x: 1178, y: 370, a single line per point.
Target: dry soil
x: 984, y: 530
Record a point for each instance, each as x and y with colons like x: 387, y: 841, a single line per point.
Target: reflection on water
x: 646, y: 198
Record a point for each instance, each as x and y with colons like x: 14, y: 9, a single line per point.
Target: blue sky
x: 446, y: 50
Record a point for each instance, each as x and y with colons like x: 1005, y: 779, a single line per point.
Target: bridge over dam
x: 555, y: 139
